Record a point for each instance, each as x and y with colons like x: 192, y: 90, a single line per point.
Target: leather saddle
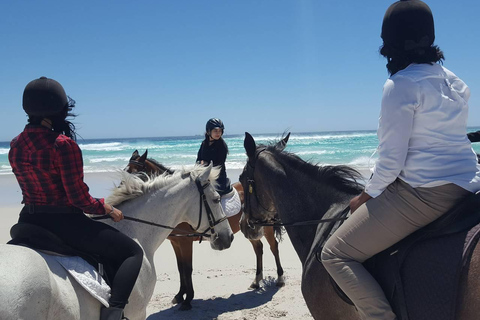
x: 38, y: 238
x: 420, y: 275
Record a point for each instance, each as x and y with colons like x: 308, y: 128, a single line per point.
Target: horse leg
x: 234, y: 222
x: 258, y: 248
x: 187, y: 253
x: 177, y: 247
x: 270, y: 236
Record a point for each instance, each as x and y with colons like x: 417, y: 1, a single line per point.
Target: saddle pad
x: 86, y: 275
x: 431, y: 276
x: 231, y: 203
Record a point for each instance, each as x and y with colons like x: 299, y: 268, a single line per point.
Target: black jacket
x: 216, y: 152
x: 474, y: 136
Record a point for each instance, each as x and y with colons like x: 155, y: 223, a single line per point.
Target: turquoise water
x: 354, y: 148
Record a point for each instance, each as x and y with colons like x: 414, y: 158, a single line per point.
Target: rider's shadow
x: 211, y: 309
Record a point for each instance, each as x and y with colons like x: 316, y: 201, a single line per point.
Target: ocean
x: 353, y: 148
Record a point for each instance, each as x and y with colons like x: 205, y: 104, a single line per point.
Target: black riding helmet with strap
x: 44, y: 97
x: 214, y: 123
x: 408, y: 25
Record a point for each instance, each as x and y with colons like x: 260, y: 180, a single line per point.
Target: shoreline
x: 100, y: 185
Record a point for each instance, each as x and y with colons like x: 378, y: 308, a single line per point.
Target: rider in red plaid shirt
x: 48, y: 165
x: 49, y: 170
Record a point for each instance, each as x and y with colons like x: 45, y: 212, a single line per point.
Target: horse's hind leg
x: 187, y: 251
x: 270, y: 236
x: 178, y: 254
x: 184, y: 251
x: 258, y: 248
x: 183, y: 248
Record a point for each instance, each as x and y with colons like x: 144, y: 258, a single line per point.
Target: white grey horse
x: 35, y: 286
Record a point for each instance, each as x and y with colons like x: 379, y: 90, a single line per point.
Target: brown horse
x: 301, y: 192
x: 182, y: 242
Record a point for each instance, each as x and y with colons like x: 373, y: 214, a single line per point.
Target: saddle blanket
x: 231, y: 203
x: 86, y: 275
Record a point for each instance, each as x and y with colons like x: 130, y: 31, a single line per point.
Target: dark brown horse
x: 182, y: 243
x: 280, y: 183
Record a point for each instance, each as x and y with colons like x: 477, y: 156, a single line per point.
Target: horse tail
x: 278, y: 231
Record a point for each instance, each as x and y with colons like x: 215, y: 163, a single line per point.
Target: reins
x: 203, y: 202
x: 140, y: 221
x: 302, y: 223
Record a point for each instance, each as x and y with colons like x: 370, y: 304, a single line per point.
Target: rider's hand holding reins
x: 356, y: 202
x: 113, y: 212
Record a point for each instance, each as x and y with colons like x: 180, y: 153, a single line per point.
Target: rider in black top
x: 215, y: 149
x: 474, y: 137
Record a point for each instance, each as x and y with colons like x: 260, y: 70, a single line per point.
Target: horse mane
x: 132, y: 186
x: 340, y: 177
x: 161, y: 166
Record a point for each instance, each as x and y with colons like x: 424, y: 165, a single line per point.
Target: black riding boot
x: 111, y: 314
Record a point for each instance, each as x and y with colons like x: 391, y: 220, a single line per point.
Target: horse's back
x: 33, y: 286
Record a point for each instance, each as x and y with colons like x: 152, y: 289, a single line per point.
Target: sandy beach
x: 221, y: 278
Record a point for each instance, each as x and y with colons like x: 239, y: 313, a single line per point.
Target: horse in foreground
x: 182, y: 243
x: 36, y: 286
x: 301, y: 192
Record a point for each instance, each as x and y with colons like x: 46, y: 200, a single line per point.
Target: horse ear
x: 135, y: 154
x: 206, y: 174
x: 283, y: 143
x: 143, y: 157
x: 250, y: 146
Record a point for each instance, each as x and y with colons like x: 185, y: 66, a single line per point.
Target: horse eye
x: 216, y: 200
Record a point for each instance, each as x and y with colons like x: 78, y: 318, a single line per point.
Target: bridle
x: 251, y: 189
x: 274, y: 221
x: 211, y: 219
x: 139, y: 164
x: 203, y: 202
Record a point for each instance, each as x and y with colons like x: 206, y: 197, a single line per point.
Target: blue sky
x: 164, y: 67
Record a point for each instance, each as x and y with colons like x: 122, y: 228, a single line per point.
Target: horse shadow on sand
x: 215, y: 306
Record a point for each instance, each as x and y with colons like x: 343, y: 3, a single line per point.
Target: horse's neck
x: 165, y: 211
x: 297, y: 201
x: 155, y: 169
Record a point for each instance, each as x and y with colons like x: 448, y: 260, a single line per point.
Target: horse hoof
x: 185, y: 306
x: 177, y: 300
x: 254, y: 286
x: 281, y: 281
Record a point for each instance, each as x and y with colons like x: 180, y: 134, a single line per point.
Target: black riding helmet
x: 408, y: 25
x: 214, y: 123
x: 44, y: 97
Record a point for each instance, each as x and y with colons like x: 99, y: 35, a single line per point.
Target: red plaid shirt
x: 49, y: 170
